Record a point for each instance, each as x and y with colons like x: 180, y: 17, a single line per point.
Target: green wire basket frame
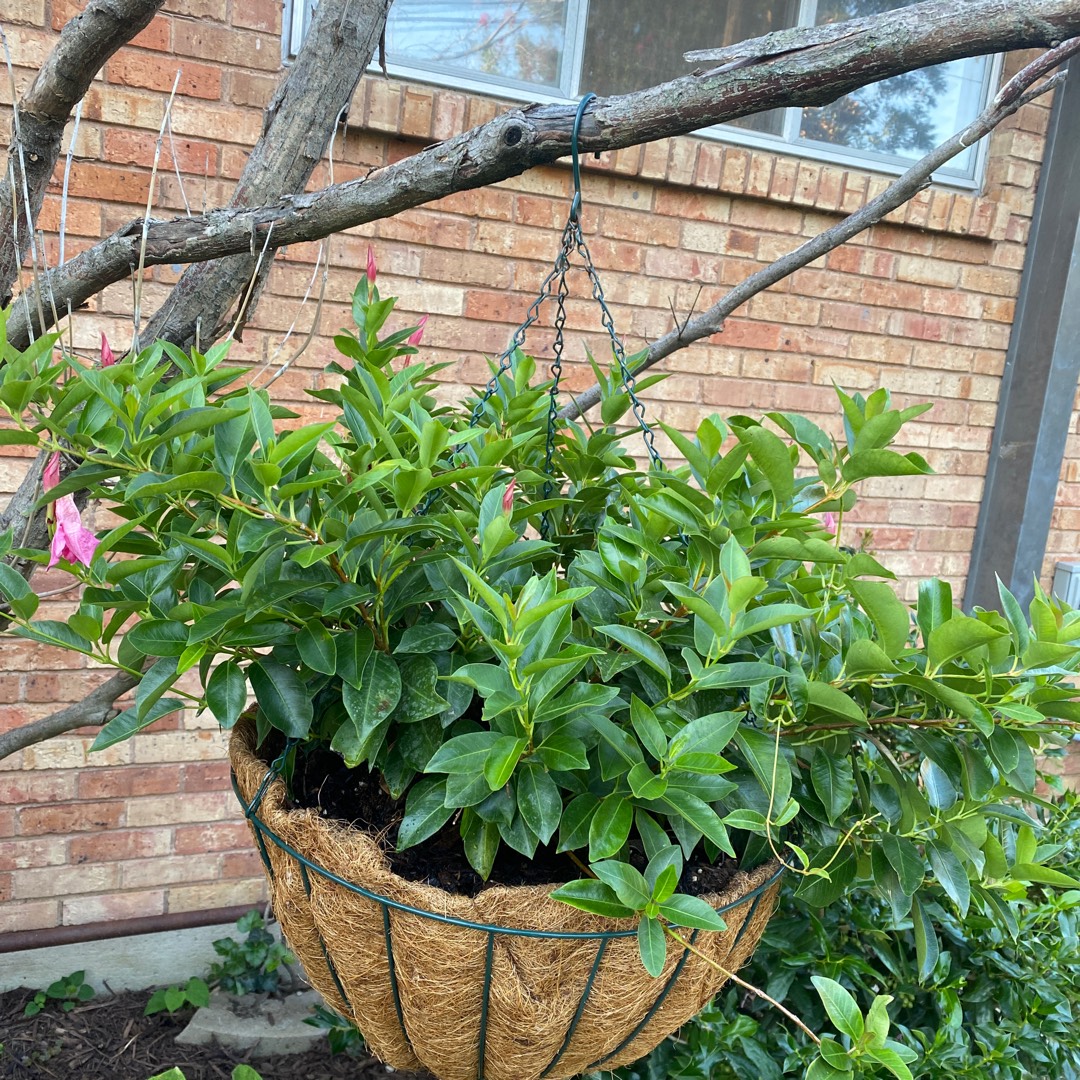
x: 263, y: 832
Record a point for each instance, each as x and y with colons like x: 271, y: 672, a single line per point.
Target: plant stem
x: 742, y: 982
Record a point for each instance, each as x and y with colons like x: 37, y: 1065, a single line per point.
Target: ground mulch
x: 108, y: 1038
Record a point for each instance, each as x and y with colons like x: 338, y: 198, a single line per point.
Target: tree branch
x: 38, y: 124
x: 1011, y: 98
x: 298, y: 125
x: 815, y: 74
x: 94, y: 710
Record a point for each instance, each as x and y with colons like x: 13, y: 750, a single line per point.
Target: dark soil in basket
x: 323, y: 782
x: 108, y: 1038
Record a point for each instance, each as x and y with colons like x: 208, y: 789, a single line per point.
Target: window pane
x: 905, y: 116
x: 521, y: 41
x: 631, y: 44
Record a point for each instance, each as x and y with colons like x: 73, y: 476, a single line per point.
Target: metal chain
x: 555, y: 286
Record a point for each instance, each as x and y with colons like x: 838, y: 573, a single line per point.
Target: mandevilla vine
x: 639, y: 668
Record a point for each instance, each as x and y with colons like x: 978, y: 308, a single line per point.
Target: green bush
x: 1000, y: 1002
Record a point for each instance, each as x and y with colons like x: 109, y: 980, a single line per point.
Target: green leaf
x: 129, y: 722
x: 956, y: 636
x: 821, y: 1070
x: 464, y: 754
x: 282, y: 696
x: 691, y: 911
x: 158, y: 637
x: 226, y: 693
x: 835, y: 1055
x: 766, y: 617
x: 426, y: 638
x: 16, y: 590
x: 926, y: 942
x: 641, y: 645
x: 155, y: 681
x: 828, y: 698
x: 50, y: 632
x: 539, y: 802
x: 419, y: 697
x: 868, y: 463
x: 811, y: 549
x: 934, y: 607
x: 889, y: 614
x: 951, y: 875
x: 771, y: 455
x: 198, y: 993
x: 629, y: 885
x: 652, y: 945
x: 501, y: 760
x: 481, y: 840
x: 592, y: 896
x: 892, y: 1061
x: 840, y: 1005
x: 15, y: 437
x: 1043, y: 875
x: 316, y: 647
x: 833, y: 781
x: 610, y: 826
x: 425, y: 812
x: 648, y: 728
x: 905, y: 859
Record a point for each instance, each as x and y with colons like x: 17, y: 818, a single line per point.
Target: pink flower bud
x: 371, y: 268
x: 107, y: 358
x: 418, y: 334
x: 51, y: 476
x: 829, y: 521
x: 71, y: 540
x: 508, y: 497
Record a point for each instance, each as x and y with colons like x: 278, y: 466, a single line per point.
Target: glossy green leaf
x: 840, y: 1005
x: 282, y: 696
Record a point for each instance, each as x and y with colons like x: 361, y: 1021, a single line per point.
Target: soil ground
x: 108, y: 1038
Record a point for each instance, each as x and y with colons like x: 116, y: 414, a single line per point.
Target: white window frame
x: 297, y: 17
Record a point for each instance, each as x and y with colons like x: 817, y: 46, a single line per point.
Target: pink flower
x: 51, y: 476
x: 107, y: 358
x: 371, y: 268
x: 508, y: 497
x: 71, y: 540
x: 418, y: 334
x: 829, y: 521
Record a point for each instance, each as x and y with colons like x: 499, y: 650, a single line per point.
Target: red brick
x: 206, y: 776
x: 36, y: 787
x: 108, y: 183
x: 224, y: 45
x: 242, y: 864
x: 71, y: 817
x: 153, y: 72
x: 133, y: 905
x: 140, y: 148
x: 116, y: 845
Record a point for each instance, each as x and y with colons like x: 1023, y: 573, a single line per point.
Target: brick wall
x: 921, y: 304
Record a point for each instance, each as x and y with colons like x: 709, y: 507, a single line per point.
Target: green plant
x: 240, y: 1072
x: 193, y: 994
x: 999, y: 1004
x: 342, y: 1036
x: 523, y: 633
x: 251, y: 966
x: 68, y: 991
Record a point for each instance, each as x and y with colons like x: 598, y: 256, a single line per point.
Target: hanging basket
x: 506, y: 985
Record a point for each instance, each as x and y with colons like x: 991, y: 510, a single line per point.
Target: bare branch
x: 94, y: 710
x: 710, y: 322
x: 899, y: 41
x: 85, y: 44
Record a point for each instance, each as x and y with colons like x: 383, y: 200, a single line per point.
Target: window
x: 559, y: 49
